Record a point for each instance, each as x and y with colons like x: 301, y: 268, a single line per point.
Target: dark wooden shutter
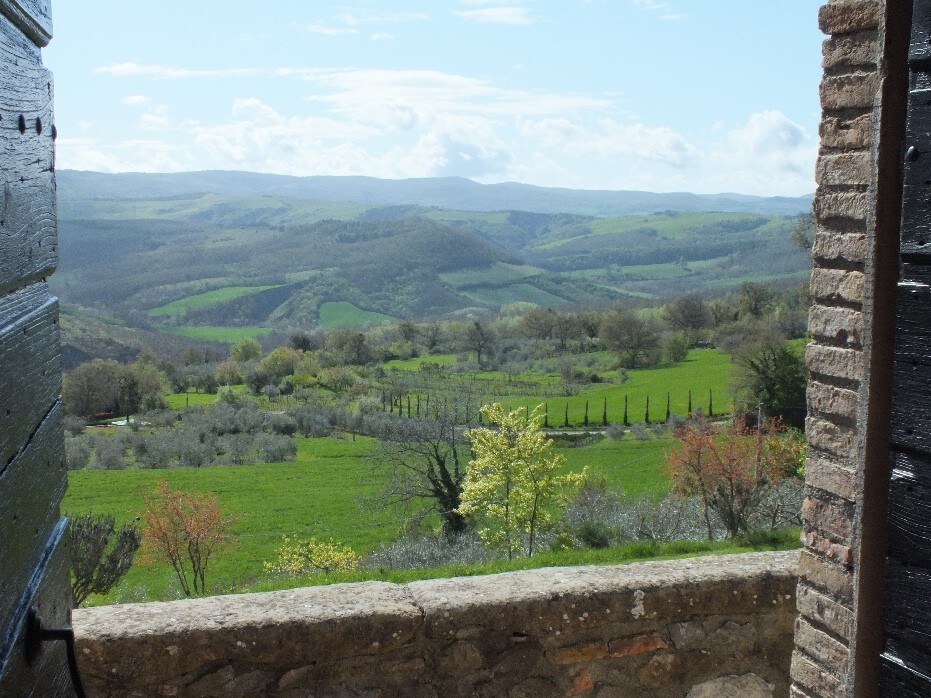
x: 906, y: 660
x: 33, y: 561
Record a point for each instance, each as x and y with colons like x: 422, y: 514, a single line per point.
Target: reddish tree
x: 185, y: 530
x: 731, y: 469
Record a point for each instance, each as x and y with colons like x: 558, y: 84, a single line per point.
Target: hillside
x: 445, y: 192
x: 202, y: 263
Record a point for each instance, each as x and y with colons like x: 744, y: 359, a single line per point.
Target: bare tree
x: 422, y: 459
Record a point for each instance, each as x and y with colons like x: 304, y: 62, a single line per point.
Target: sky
x: 707, y: 96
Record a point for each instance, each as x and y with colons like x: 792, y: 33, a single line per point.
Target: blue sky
x: 660, y: 95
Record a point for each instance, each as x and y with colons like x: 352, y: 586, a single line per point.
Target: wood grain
x: 31, y: 489
x: 30, y: 366
x: 909, y: 532
x: 910, y: 414
x: 916, y: 192
x: 32, y: 17
x: 28, y: 223
x: 898, y: 681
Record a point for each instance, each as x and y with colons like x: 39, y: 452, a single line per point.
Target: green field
x: 493, y: 275
x: 343, y: 314
x: 210, y: 333
x: 514, y: 293
x: 205, y: 300
x: 322, y: 493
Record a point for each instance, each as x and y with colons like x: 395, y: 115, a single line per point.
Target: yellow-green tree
x: 512, y: 481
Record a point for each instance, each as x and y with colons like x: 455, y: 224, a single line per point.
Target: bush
x: 296, y: 557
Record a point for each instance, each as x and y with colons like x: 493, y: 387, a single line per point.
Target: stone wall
x: 856, y: 210
x: 713, y: 626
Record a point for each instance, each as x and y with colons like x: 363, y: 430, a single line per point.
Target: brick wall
x: 856, y: 214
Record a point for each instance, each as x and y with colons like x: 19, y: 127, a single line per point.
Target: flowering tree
x: 185, y: 530
x: 512, y: 480
x: 732, y: 469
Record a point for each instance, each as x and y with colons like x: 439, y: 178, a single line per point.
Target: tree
x: 732, y: 470
x: 246, y: 349
x: 185, y: 530
x: 478, y: 339
x: 634, y: 337
x: 771, y: 374
x: 755, y: 299
x: 348, y: 347
x: 511, y: 480
x: 420, y: 460
x: 688, y: 314
x: 97, y: 566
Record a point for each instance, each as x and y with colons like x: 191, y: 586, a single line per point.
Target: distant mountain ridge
x: 446, y: 192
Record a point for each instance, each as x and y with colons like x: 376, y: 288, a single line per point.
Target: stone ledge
x: 615, y: 627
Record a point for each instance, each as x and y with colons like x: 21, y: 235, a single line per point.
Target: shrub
x: 298, y: 557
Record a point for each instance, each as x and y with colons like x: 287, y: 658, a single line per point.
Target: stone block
x: 849, y: 91
x: 832, y: 517
x: 824, y: 399
x: 850, y: 205
x: 837, y: 285
x: 836, y: 552
x: 836, y: 326
x: 818, y: 680
x: 839, y: 247
x: 840, y: 441
x: 824, y: 610
x: 846, y: 132
x: 849, y: 16
x: 834, y: 362
x: 850, y: 50
x: 843, y: 169
x: 642, y: 644
x: 830, y: 578
x: 745, y: 686
x: 825, y: 474
x: 821, y: 647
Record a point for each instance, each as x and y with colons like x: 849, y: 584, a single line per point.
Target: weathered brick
x: 849, y: 91
x: 848, y: 16
x: 841, y: 326
x: 576, y: 654
x: 636, y: 645
x: 855, y: 205
x: 847, y: 50
x: 834, y: 361
x: 796, y: 692
x: 847, y: 132
x: 843, y: 169
x: 818, y: 680
x: 837, y: 285
x: 825, y: 611
x: 834, y: 518
x: 823, y: 648
x: 581, y: 683
x: 836, y: 552
x: 827, y: 576
x: 830, y: 400
x: 836, y: 440
x: 827, y: 475
x: 840, y: 247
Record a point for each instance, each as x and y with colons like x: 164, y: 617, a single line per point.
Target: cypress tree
x: 585, y: 420
x: 604, y: 414
x: 710, y: 404
x: 668, y: 412
x: 418, y: 405
x: 690, y: 405
x: 546, y: 415
x: 566, y: 421
x: 646, y: 416
x: 626, y: 421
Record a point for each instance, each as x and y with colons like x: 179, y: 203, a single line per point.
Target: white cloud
x: 132, y: 69
x: 498, y: 15
x: 135, y: 100
x: 662, y: 9
x: 328, y: 30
